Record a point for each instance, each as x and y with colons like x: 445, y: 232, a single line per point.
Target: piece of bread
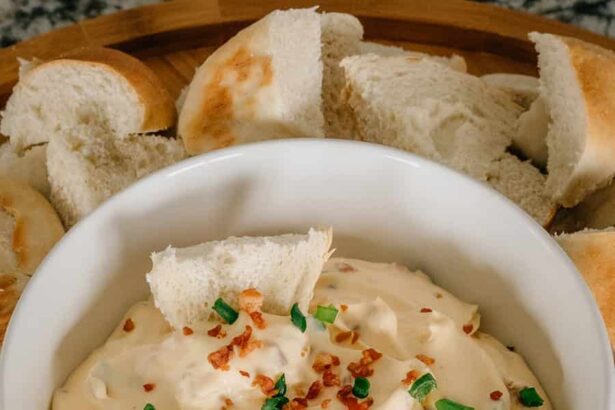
x: 185, y: 282
x: 593, y: 252
x: 429, y: 109
x: 29, y: 167
x: 578, y: 87
x: 523, y: 183
x: 455, y: 61
x: 597, y: 211
x: 531, y: 132
x: 87, y: 166
x: 264, y: 83
x: 523, y: 88
x: 88, y: 86
x: 11, y: 287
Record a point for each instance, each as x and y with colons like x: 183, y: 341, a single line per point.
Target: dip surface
x: 393, y: 326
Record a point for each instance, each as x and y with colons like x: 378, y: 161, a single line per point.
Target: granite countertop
x: 21, y: 19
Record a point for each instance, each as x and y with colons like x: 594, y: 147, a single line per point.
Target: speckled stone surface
x: 21, y: 19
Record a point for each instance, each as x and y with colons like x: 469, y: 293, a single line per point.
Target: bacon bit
x: 426, y: 359
x: 244, y: 343
x: 355, y: 337
x: 468, y: 328
x: 314, y: 390
x: 148, y: 387
x: 325, y: 403
x: 411, y: 376
x: 495, y: 395
x: 344, y: 267
x: 343, y: 336
x: 258, y: 319
x: 129, y: 325
x: 227, y: 403
x: 298, y: 403
x: 330, y: 379
x: 187, y: 331
x: 216, y: 332
x: 361, y: 368
x: 352, y: 403
x: 220, y: 358
x: 250, y: 300
x: 265, y: 383
x: 426, y: 310
x: 344, y: 307
x: 325, y: 361
x: 244, y: 373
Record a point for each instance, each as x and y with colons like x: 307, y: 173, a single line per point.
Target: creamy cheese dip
x: 393, y: 326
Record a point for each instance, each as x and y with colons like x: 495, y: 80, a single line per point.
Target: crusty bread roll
x: 578, y: 87
x: 455, y: 61
x: 593, y: 252
x: 88, y: 86
x: 523, y: 183
x: 264, y: 83
x: 186, y: 282
x: 523, y: 88
x: 29, y: 167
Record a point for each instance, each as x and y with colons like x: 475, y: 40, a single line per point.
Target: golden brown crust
x: 593, y: 252
x: 37, y: 226
x: 159, y: 106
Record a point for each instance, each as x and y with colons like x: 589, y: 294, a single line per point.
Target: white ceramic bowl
x: 384, y: 205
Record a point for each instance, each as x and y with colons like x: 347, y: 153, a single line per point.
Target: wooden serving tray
x: 175, y: 37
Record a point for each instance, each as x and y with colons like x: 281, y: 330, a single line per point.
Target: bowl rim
x: 224, y: 154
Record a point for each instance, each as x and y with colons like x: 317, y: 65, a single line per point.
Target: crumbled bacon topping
x: 426, y: 359
x: 148, y: 387
x: 426, y: 310
x: 129, y: 325
x: 329, y: 378
x: 355, y: 337
x: 258, y: 320
x: 344, y: 307
x: 362, y: 367
x: 220, y: 358
x: 343, y: 336
x: 325, y: 361
x: 468, y: 328
x: 244, y: 373
x: 216, y: 332
x: 266, y: 384
x: 314, y: 390
x: 496, y: 395
x: 298, y: 403
x: 325, y: 403
x: 344, y: 267
x: 187, y: 331
x: 250, y: 300
x: 352, y: 403
x: 228, y: 403
x: 411, y: 376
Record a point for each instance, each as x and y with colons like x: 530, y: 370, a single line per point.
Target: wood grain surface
x: 175, y: 37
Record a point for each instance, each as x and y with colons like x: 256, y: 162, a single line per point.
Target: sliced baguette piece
x: 531, y: 132
x: 578, y: 87
x: 523, y: 88
x: 523, y: 183
x: 87, y: 166
x: 264, y: 83
x: 455, y: 61
x: 29, y: 167
x: 185, y: 282
x: 88, y: 86
x: 429, y: 109
x: 593, y: 252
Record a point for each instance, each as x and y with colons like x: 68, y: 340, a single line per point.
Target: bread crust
x: 37, y: 226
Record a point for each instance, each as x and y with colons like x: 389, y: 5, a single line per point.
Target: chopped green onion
x: 529, y: 397
x: 225, y: 311
x: 446, y: 404
x: 361, y: 387
x: 422, y: 387
x: 298, y: 318
x: 280, y: 386
x: 326, y: 313
x: 275, y: 403
x: 149, y: 406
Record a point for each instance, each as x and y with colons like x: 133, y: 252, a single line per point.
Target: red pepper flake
x: 344, y: 307
x: 216, y: 332
x: 325, y: 403
x: 258, y: 320
x: 362, y: 367
x: 495, y: 395
x: 330, y: 379
x: 344, y: 267
x: 426, y: 359
x: 148, y: 387
x: 426, y: 310
x: 266, y: 385
x: 187, y: 331
x: 343, y: 336
x: 411, y: 376
x: 468, y: 328
x: 220, y: 358
x: 244, y: 373
x: 129, y: 325
x: 325, y: 361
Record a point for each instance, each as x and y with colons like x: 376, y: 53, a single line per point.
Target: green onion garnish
x: 446, y: 404
x: 225, y: 311
x: 326, y: 313
x: 422, y: 387
x: 529, y: 397
x: 280, y: 386
x: 274, y: 403
x: 298, y: 318
x: 149, y: 406
x: 360, y: 388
